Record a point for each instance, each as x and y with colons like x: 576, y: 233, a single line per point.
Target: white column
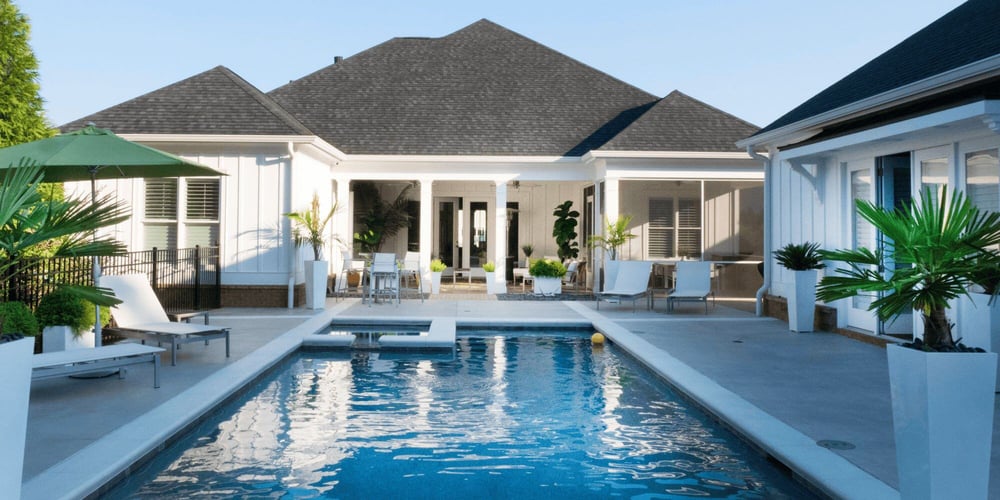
x: 500, y: 235
x: 610, y: 199
x: 342, y: 219
x: 426, y: 232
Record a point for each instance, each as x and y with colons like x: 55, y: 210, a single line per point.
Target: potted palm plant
x: 942, y: 392
x: 980, y: 311
x: 490, y: 269
x: 437, y: 267
x: 26, y: 223
x: 547, y: 276
x: 803, y: 260
x: 309, y: 228
x: 615, y: 235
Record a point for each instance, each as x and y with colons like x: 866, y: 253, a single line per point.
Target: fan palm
x: 27, y: 221
x: 939, y: 247
x: 615, y: 235
x: 310, y: 226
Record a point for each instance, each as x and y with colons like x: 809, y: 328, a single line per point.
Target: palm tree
x: 616, y: 235
x: 382, y: 220
x: 940, y: 249
x: 310, y: 226
x: 28, y: 222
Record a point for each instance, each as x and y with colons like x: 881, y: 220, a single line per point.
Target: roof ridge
x: 264, y: 100
x: 707, y: 105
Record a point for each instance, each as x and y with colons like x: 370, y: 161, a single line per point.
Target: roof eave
x: 810, y: 127
x: 306, y: 140
x: 669, y: 155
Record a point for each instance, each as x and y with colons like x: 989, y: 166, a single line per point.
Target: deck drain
x: 832, y: 444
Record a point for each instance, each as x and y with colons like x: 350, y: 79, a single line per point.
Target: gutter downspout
x: 288, y: 208
x: 759, y: 297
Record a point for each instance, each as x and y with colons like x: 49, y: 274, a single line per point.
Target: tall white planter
x: 15, y: 372
x: 316, y: 273
x: 62, y: 338
x: 435, y: 282
x: 492, y: 286
x: 942, y: 411
x: 802, y: 301
x: 979, y: 324
x: 548, y: 286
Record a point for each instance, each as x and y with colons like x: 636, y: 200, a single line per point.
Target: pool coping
x: 82, y: 474
x: 821, y: 468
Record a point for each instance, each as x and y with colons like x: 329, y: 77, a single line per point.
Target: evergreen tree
x: 22, y: 117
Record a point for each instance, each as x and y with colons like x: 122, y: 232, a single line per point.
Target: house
x: 926, y: 113
x: 488, y: 131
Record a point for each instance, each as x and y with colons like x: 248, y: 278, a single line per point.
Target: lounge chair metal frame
x: 631, y: 283
x: 383, y: 278
x: 98, y: 359
x: 152, y: 323
x: 693, y: 284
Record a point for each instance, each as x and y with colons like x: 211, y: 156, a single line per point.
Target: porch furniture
x: 522, y: 272
x: 693, y: 283
x: 461, y: 272
x: 383, y: 278
x: 631, y: 283
x: 572, y: 274
x: 98, y: 359
x: 411, y: 271
x: 350, y: 265
x: 141, y: 316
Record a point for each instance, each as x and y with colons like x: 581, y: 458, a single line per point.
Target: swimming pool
x: 514, y: 415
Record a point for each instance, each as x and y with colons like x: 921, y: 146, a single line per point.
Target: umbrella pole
x: 95, y: 263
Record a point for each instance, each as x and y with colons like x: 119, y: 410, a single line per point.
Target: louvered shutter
x: 689, y: 228
x: 661, y: 228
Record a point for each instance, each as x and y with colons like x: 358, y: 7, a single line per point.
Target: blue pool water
x: 523, y: 416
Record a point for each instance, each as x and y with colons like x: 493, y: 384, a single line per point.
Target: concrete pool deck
x: 783, y: 391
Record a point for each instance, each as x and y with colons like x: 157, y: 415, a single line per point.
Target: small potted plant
x: 490, y: 269
x: 16, y: 318
x: 615, y: 235
x: 803, y: 260
x: 547, y: 276
x: 942, y: 392
x: 528, y: 249
x: 437, y: 267
x: 67, y: 321
x: 309, y: 228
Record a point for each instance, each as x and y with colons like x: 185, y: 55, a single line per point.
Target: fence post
x: 197, y: 277
x: 153, y: 279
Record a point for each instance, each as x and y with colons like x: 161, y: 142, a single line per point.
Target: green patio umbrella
x: 93, y: 153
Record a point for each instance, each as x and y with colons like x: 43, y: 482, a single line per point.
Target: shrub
x: 62, y: 307
x: 801, y: 257
x: 17, y: 318
x: 437, y: 266
x: 546, y: 268
x: 489, y: 267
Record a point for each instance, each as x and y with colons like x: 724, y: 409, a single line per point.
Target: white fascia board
x: 939, y: 119
x: 463, y: 159
x: 669, y: 155
x: 791, y: 133
x: 307, y: 140
x: 717, y: 173
x: 471, y: 168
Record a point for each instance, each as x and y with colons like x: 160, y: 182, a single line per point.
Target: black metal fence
x: 183, y: 279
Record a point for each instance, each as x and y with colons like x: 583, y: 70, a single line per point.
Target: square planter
x: 435, y: 282
x: 316, y: 273
x: 15, y: 371
x: 62, y: 338
x: 548, y: 286
x: 492, y: 287
x: 802, y: 301
x: 942, y: 413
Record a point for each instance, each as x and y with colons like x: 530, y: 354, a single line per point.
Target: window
x: 173, y: 220
x: 674, y: 228
x: 983, y: 179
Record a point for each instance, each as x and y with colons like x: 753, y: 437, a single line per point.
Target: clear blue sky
x: 756, y: 59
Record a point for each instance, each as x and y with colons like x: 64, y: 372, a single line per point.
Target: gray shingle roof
x: 217, y: 101
x: 679, y: 122
x: 969, y: 33
x: 483, y: 90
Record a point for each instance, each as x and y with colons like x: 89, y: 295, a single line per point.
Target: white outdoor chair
x: 350, y: 264
x: 411, y: 271
x: 631, y: 283
x: 384, y: 278
x: 572, y: 274
x: 141, y: 316
x: 693, y: 283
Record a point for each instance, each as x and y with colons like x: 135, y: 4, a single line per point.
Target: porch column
x: 611, y: 207
x: 500, y: 235
x: 426, y: 233
x: 342, y: 229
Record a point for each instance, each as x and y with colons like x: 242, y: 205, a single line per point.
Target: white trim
x: 463, y: 159
x: 683, y: 155
x: 965, y: 75
x: 944, y: 117
x: 309, y: 140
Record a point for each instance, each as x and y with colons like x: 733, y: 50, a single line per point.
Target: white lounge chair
x: 631, y: 283
x: 141, y: 316
x: 411, y: 270
x: 694, y: 283
x: 97, y: 359
x: 384, y: 278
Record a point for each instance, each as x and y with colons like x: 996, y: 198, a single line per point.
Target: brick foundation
x: 261, y: 296
x: 777, y: 307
